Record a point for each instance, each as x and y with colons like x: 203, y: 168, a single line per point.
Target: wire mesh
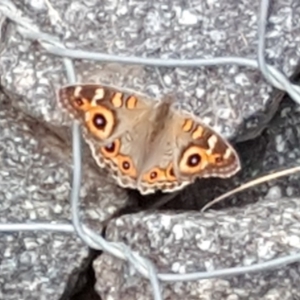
x: 144, y: 266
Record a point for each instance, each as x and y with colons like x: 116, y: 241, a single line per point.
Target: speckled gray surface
x: 34, y: 264
x: 189, y: 242
x: 34, y: 187
x: 225, y: 96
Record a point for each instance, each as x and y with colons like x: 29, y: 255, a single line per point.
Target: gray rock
x: 191, y: 242
x: 35, y: 187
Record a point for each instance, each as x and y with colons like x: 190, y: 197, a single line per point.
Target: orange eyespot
x: 100, y: 121
x: 126, y: 165
x: 81, y: 103
x: 111, y: 150
x: 218, y: 159
x: 194, y: 159
x: 154, y: 175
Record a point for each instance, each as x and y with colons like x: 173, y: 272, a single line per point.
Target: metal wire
x: 144, y: 266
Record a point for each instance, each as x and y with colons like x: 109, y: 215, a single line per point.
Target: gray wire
x: 144, y: 266
x: 67, y: 228
x: 277, y: 79
x: 264, y: 266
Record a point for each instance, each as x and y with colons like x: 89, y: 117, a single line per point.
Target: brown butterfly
x: 146, y: 144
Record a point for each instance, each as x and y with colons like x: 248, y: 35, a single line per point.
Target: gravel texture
x: 34, y: 188
x: 190, y: 242
x: 35, y: 161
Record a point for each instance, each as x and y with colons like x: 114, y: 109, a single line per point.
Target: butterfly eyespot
x: 126, y: 165
x: 154, y: 175
x: 111, y: 150
x: 100, y: 121
x: 193, y: 160
x: 219, y: 159
x: 78, y: 101
x: 81, y: 103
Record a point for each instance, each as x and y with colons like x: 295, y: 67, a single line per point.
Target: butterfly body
x: 147, y: 144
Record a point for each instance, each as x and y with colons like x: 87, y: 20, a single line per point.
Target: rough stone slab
x: 235, y: 100
x: 34, y: 187
x: 189, y: 242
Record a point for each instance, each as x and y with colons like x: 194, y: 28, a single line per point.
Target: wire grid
x: 144, y: 266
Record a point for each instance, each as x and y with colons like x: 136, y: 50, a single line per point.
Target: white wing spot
x: 228, y: 153
x: 212, y: 141
x: 77, y: 91
x: 99, y: 94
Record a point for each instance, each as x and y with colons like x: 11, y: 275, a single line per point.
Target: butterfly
x: 146, y: 144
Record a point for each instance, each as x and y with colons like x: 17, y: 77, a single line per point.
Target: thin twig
x: 252, y: 183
